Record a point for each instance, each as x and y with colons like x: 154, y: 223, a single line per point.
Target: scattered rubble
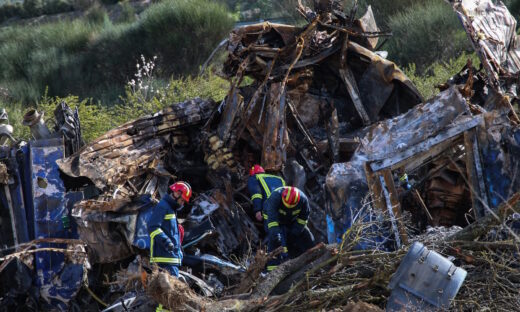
x: 382, y: 167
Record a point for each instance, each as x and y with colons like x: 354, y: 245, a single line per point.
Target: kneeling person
x: 287, y: 212
x: 165, y: 240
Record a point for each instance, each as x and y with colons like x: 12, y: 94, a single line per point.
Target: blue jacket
x: 278, y: 214
x: 163, y: 230
x: 260, y: 186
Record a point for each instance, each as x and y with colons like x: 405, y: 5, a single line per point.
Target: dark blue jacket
x: 163, y: 230
x: 278, y: 214
x: 260, y: 186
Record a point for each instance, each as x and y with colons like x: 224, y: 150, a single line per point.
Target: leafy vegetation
x: 438, y: 73
x: 97, y: 118
x: 426, y: 33
x: 93, y: 58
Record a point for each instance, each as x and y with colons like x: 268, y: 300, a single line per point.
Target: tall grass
x: 91, y: 57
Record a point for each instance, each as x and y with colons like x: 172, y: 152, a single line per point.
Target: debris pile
x: 396, y: 183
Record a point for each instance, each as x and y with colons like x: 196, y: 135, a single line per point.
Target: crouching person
x: 287, y: 212
x: 165, y: 236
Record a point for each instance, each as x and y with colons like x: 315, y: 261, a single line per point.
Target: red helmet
x: 290, y: 196
x: 256, y: 169
x: 182, y: 187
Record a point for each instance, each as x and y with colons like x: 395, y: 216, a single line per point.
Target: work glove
x: 170, y: 247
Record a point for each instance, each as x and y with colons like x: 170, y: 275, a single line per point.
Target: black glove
x: 169, y: 247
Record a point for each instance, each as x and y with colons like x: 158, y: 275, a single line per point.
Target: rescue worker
x: 165, y: 240
x: 260, y: 186
x: 287, y: 211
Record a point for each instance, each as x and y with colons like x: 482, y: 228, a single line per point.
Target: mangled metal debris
x: 425, y: 280
x: 324, y: 110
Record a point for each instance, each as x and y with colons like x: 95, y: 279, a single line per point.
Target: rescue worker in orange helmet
x: 165, y: 240
x: 260, y: 186
x: 288, y: 212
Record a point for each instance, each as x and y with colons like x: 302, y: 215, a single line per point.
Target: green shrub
x: 57, y: 6
x: 126, y: 13
x: 91, y: 57
x: 183, y: 32
x: 425, y: 33
x: 438, y: 73
x: 10, y: 10
x: 96, y: 15
x: 33, y: 7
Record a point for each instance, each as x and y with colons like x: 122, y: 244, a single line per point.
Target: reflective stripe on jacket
x: 260, y: 187
x: 163, y: 231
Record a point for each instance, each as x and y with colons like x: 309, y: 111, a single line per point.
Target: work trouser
x: 299, y: 242
x: 273, y: 263
x: 295, y: 241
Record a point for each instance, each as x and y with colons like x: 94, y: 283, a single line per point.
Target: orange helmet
x: 256, y: 169
x: 290, y: 196
x: 182, y: 187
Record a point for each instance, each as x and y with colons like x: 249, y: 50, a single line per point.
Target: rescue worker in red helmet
x: 165, y: 240
x: 260, y: 186
x: 288, y: 212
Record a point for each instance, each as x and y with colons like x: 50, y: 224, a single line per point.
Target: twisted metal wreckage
x: 328, y: 112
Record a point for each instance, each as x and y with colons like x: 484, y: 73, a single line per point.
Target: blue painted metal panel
x: 58, y: 281
x: 142, y: 237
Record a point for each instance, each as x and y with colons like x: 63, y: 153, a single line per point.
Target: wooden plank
x: 426, y: 144
x: 374, y: 187
x: 350, y: 84
x: 416, y: 161
x: 395, y: 204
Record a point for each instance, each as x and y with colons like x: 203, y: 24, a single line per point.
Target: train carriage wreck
x: 384, y: 169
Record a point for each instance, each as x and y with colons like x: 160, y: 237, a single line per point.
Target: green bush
x: 10, y: 10
x: 33, y: 7
x: 57, y: 6
x: 126, y: 13
x: 91, y: 57
x: 96, y: 118
x: 425, y: 33
x: 438, y: 73
x: 96, y: 15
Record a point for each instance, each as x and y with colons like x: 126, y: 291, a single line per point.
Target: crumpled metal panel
x: 499, y: 144
x: 379, y: 80
x: 57, y: 279
x: 492, y: 31
x: 387, y: 141
x: 110, y: 234
x: 132, y: 148
x: 424, y: 281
